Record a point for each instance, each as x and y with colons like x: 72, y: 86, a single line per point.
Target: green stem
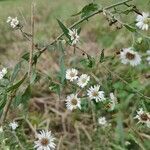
x: 84, y: 19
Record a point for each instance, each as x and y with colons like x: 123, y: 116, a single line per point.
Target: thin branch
x: 85, y: 19
x: 32, y: 39
x: 6, y: 108
x: 74, y: 25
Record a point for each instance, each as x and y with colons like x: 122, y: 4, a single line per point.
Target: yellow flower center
x: 72, y: 74
x: 95, y: 94
x: 44, y: 141
x: 83, y: 80
x: 130, y: 56
x: 74, y: 101
x: 144, y: 117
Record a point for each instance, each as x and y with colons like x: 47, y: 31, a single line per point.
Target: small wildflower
x: 83, y: 80
x: 143, y: 117
x: 45, y: 141
x: 143, y: 21
x: 73, y: 102
x: 14, y: 22
x: 3, y: 73
x: 74, y: 36
x: 128, y: 56
x: 102, y: 121
x: 71, y: 74
x: 94, y: 93
x: 13, y: 125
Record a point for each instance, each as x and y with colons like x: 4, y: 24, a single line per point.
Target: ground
x: 47, y: 110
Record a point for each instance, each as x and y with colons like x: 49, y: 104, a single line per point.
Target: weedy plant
x: 117, y: 104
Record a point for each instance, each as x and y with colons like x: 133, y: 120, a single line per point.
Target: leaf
x: 26, y: 56
x: 17, y: 100
x: 16, y: 71
x: 130, y: 28
x: 64, y: 29
x: 16, y: 85
x: 87, y: 10
x: 88, y: 62
x: 35, y: 57
x: 102, y: 56
x: 54, y: 87
x: 34, y: 77
x: 62, y: 69
x: 26, y: 95
x: 3, y: 99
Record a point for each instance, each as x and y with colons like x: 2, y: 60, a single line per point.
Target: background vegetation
x: 46, y: 108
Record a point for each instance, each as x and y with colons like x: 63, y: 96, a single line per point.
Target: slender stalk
x: 6, y: 108
x: 32, y: 39
x: 18, y: 141
x: 85, y: 19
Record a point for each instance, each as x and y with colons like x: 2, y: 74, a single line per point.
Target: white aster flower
x: 74, y: 36
x: 94, y: 93
x: 73, y: 102
x: 71, y: 74
x: 143, y: 117
x: 45, y: 141
x: 128, y: 56
x: 3, y: 72
x: 113, y: 101
x: 14, y: 22
x: 13, y: 125
x: 102, y: 121
x: 143, y: 21
x: 83, y: 80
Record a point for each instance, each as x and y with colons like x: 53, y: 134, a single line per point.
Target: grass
x: 77, y: 130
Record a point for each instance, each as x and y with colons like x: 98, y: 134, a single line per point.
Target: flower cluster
x: 3, y: 72
x: 74, y: 36
x: 72, y: 75
x: 93, y: 93
x: 143, y: 117
x: 13, y: 22
x: 128, y: 55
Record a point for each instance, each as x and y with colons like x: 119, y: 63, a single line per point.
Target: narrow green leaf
x: 16, y: 71
x: 64, y: 29
x: 26, y: 95
x: 130, y: 28
x: 16, y: 85
x: 102, y: 56
x: 3, y: 99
